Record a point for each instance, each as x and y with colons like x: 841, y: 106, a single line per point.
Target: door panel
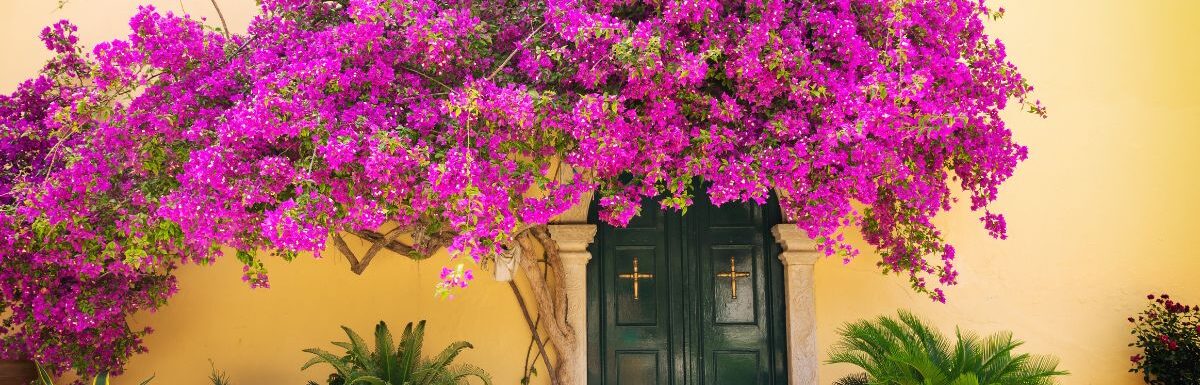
x: 638, y: 348
x: 736, y: 367
x: 686, y: 327
x: 642, y: 311
x: 734, y: 333
x: 638, y: 367
x: 728, y: 309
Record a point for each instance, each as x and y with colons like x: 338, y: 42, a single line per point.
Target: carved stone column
x: 573, y: 240
x: 799, y: 256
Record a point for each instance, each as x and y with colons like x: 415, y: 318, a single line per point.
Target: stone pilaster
x: 799, y: 257
x: 573, y: 240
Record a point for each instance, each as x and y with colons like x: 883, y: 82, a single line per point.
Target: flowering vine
x: 464, y: 123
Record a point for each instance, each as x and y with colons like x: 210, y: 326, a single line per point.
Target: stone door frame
x: 799, y: 256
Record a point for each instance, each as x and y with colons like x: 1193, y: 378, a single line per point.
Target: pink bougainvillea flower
x: 472, y: 121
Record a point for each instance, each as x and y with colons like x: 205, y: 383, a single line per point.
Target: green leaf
x: 44, y: 377
x: 133, y: 257
x: 147, y: 381
x: 100, y: 379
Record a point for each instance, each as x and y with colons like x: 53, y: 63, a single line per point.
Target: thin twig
x: 431, y: 78
x: 533, y: 329
x: 525, y: 370
x: 514, y: 51
x: 224, y: 25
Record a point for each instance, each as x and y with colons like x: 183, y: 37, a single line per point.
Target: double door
x: 683, y: 299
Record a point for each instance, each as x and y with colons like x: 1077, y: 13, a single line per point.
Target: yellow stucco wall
x: 1103, y: 213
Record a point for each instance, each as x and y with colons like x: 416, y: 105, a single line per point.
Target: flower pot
x: 17, y: 372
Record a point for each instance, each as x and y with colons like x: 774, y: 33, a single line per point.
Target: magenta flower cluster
x: 479, y: 118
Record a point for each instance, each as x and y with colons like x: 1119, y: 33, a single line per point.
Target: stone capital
x: 573, y: 240
x: 798, y: 248
x: 792, y: 238
x: 791, y: 258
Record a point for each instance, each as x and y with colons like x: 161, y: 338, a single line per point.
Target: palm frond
x: 368, y: 380
x: 392, y: 364
x: 358, y: 350
x: 459, y: 374
x: 385, y: 358
x: 409, y: 351
x: 853, y: 379
x: 323, y: 357
x: 905, y: 350
x: 448, y: 354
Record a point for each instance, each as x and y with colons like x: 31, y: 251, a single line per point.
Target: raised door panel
x: 737, y: 367
x: 734, y: 333
x: 634, y: 298
x: 640, y: 307
x: 640, y: 367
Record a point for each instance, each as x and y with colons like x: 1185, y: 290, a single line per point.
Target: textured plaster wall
x: 1103, y: 213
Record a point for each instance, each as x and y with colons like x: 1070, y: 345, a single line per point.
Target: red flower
x: 1135, y: 358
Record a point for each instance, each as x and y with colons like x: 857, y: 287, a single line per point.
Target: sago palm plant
x: 389, y: 364
x: 906, y: 351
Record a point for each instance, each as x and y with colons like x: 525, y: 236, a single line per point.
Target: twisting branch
x: 375, y: 248
x: 344, y: 249
x: 220, y: 15
x: 554, y: 267
x: 550, y: 298
x: 359, y: 265
x: 394, y: 246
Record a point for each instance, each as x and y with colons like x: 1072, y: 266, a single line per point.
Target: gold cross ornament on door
x: 733, y: 276
x: 635, y: 276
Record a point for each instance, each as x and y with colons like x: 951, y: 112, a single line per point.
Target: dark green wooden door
x: 681, y: 323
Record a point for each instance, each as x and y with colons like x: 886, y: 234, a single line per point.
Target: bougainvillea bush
x: 1168, y: 335
x: 465, y: 122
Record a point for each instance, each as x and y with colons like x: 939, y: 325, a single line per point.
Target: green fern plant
x: 389, y: 364
x: 906, y: 350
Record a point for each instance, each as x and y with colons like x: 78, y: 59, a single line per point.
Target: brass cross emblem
x: 635, y: 276
x: 733, y: 276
